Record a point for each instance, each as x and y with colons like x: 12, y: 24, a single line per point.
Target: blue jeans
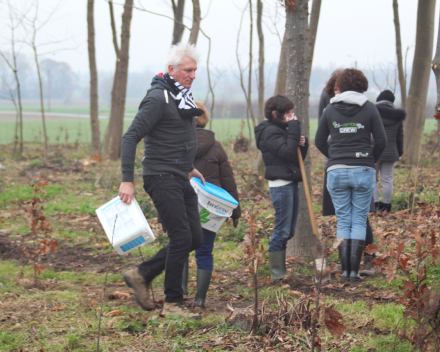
x: 285, y: 200
x: 351, y: 191
x: 204, y: 257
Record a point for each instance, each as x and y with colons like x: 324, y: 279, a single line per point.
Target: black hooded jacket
x: 392, y: 119
x: 278, y: 145
x: 170, y: 141
x: 350, y: 127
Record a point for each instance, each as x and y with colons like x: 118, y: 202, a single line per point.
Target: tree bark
x: 280, y: 83
x: 314, y: 20
x: 436, y: 69
x: 94, y: 121
x: 113, y: 139
x: 260, y: 61
x: 197, y: 17
x: 114, y: 33
x: 297, y: 89
x: 402, y: 78
x: 418, y: 89
x: 178, y: 29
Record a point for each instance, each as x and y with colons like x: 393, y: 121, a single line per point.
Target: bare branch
x: 114, y: 33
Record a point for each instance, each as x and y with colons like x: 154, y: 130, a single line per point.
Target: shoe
x: 386, y: 208
x: 369, y: 269
x: 344, y: 258
x: 277, y: 264
x: 185, y: 280
x: 378, y: 207
x: 177, y: 308
x: 203, y: 281
x: 141, y: 288
x: 356, y: 250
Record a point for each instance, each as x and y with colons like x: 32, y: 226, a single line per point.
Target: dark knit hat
x: 386, y: 95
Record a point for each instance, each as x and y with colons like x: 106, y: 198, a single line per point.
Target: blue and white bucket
x: 215, y: 204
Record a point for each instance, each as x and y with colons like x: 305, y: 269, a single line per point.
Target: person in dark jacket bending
x: 350, y: 120
x: 166, y: 121
x: 211, y: 160
x: 278, y: 139
x: 392, y: 119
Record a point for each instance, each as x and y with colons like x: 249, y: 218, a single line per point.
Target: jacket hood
x: 390, y: 114
x: 349, y: 97
x: 159, y: 81
x: 259, y: 131
x: 205, y: 141
x: 349, y: 102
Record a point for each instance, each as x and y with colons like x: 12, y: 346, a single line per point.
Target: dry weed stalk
x: 105, y: 286
x: 39, y: 225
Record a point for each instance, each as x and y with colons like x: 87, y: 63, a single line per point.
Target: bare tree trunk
x: 298, y: 91
x: 251, y: 40
x: 418, y: 89
x: 40, y: 84
x: 402, y: 77
x: 314, y: 20
x: 197, y: 17
x: 178, y: 29
x: 436, y: 69
x: 112, y: 142
x: 94, y: 121
x: 260, y: 61
x: 280, y: 84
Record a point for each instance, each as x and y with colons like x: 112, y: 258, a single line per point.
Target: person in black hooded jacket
x: 278, y: 139
x: 350, y: 120
x: 392, y: 119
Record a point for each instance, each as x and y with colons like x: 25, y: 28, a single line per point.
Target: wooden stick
x: 307, y: 192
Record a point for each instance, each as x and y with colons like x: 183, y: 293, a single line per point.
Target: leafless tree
x: 197, y: 17
x: 314, y: 20
x: 113, y: 136
x: 95, y: 145
x: 400, y: 68
x: 260, y: 61
x: 33, y: 26
x: 178, y: 11
x: 297, y: 89
x: 280, y: 84
x: 436, y: 70
x: 10, y: 57
x: 418, y: 88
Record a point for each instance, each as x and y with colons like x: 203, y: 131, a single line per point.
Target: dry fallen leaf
x: 122, y: 294
x: 94, y: 304
x: 59, y: 308
x: 112, y: 313
x: 110, y: 323
x: 296, y: 293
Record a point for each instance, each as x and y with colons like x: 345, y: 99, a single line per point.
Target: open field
x: 61, y: 312
x: 69, y: 127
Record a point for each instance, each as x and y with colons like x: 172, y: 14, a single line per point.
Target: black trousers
x: 176, y: 202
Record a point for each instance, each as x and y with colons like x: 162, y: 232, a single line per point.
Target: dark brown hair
x: 202, y: 121
x: 352, y: 79
x: 278, y: 103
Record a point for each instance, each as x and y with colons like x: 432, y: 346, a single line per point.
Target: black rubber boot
x: 203, y: 281
x: 185, y: 279
x: 378, y: 207
x: 368, y: 269
x: 357, y: 248
x: 386, y: 207
x: 344, y: 258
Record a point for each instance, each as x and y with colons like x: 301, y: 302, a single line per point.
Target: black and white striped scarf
x: 184, y: 99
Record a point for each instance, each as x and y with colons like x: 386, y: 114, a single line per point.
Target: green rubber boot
x: 185, y: 279
x: 277, y: 264
x: 203, y: 281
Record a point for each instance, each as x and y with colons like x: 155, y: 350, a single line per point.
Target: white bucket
x: 209, y: 220
x: 215, y: 204
x: 213, y: 198
x: 131, y: 229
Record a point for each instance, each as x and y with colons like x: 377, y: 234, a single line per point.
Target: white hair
x: 178, y: 51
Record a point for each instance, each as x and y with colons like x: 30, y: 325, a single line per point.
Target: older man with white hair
x: 166, y: 121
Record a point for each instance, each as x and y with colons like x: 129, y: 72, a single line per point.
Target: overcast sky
x: 349, y: 31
